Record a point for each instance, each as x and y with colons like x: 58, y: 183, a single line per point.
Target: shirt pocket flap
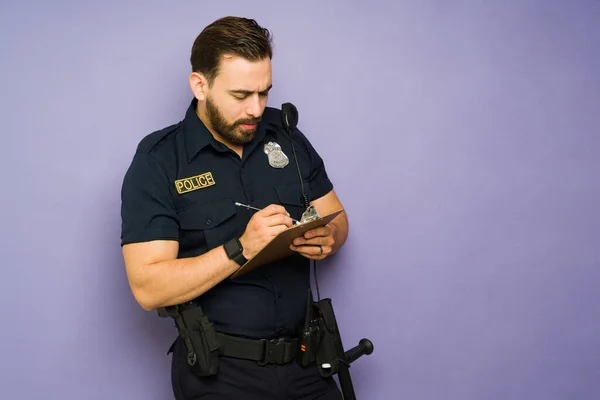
x: 206, y: 216
x: 291, y: 194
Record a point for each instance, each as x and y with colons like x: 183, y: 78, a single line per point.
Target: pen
x: 257, y: 209
x: 247, y: 206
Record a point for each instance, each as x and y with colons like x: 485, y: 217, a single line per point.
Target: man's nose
x: 254, y: 107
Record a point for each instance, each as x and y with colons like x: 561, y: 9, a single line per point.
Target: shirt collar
x: 197, y: 136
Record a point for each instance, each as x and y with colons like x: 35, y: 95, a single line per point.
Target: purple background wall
x: 463, y: 139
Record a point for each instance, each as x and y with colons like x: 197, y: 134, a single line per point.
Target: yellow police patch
x: 201, y: 181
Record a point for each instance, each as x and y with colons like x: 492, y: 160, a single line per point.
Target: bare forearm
x: 176, y: 281
x: 340, y: 231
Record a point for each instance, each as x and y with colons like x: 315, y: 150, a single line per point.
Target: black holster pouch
x: 199, y: 336
x: 330, y: 352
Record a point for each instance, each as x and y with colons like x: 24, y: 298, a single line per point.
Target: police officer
x: 183, y: 235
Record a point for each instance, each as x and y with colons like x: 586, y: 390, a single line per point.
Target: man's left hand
x: 316, y: 244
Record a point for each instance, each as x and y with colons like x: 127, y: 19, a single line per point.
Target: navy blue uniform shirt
x: 182, y: 185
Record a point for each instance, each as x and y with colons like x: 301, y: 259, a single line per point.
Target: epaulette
x: 151, y: 140
x: 272, y: 117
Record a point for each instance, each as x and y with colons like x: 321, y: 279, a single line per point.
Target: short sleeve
x: 318, y: 181
x: 147, y: 211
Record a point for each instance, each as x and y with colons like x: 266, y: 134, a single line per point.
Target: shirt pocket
x: 290, y: 196
x: 208, y: 225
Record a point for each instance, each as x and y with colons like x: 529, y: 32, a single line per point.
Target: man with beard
x: 183, y: 236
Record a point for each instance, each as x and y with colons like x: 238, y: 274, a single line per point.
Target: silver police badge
x: 277, y: 159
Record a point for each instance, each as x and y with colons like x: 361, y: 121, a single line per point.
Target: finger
x: 272, y: 209
x: 277, y: 229
x: 316, y: 241
x: 313, y: 252
x: 312, y: 235
x: 278, y: 219
x: 320, y: 231
x: 311, y: 256
x: 302, y: 250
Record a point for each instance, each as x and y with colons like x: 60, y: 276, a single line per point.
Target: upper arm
x: 149, y: 223
x: 147, y: 210
x: 328, y: 203
x: 318, y: 181
x: 323, y: 196
x: 139, y: 255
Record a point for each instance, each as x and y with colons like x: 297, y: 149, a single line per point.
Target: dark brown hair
x: 237, y: 36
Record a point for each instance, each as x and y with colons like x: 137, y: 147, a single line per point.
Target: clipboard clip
x: 309, y: 215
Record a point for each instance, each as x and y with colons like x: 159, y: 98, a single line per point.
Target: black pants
x: 246, y: 380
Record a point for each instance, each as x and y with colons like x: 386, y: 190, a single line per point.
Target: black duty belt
x: 263, y: 351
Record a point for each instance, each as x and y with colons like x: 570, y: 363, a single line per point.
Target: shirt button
x: 208, y: 222
x: 278, y: 295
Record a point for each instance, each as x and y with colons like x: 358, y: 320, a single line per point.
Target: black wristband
x: 235, y: 251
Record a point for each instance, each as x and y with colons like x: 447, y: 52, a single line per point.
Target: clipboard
x: 279, y: 246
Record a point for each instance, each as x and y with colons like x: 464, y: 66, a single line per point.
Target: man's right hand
x: 262, y: 227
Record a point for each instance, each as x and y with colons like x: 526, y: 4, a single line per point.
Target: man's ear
x: 199, y: 85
